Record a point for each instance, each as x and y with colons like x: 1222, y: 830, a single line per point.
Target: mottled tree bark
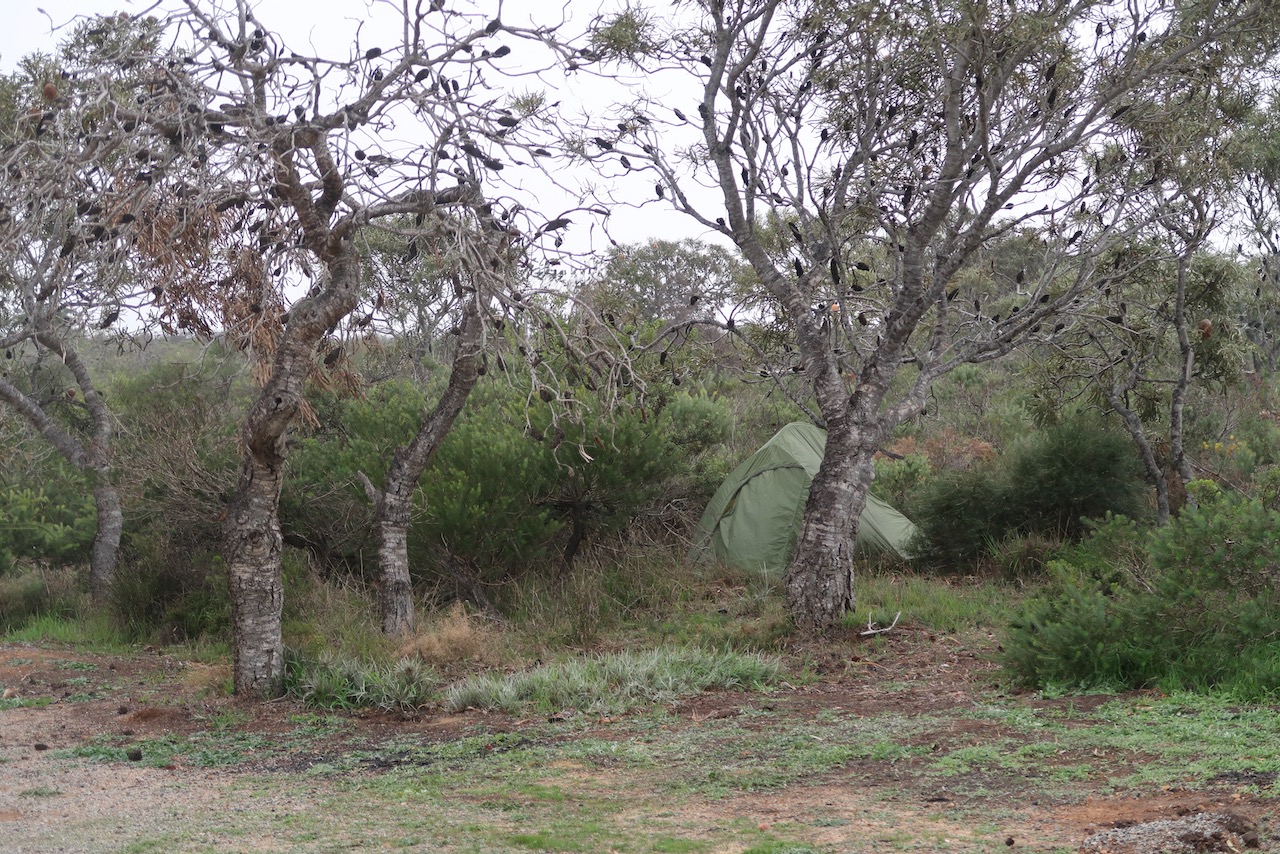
x: 254, y: 579
x: 820, y: 579
x: 393, y: 505
x: 106, y: 539
x: 252, y: 538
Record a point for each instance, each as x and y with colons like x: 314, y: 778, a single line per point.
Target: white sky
x: 328, y: 25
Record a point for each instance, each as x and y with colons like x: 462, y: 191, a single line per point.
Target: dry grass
x: 208, y: 679
x: 456, y: 641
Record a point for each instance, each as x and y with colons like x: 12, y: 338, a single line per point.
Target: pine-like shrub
x: 1061, y: 476
x: 40, y: 526
x: 1043, y: 490
x: 1192, y: 605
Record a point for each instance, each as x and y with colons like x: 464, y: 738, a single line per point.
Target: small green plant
x: 615, y: 682
x: 329, y: 682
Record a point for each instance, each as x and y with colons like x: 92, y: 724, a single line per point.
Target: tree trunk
x: 251, y: 533
x: 393, y: 504
x: 396, y: 596
x: 819, y: 581
x: 106, y: 539
x: 1180, y: 466
x: 1149, y: 461
x: 93, y: 458
x: 253, y: 546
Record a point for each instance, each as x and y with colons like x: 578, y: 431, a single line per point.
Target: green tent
x: 753, y: 519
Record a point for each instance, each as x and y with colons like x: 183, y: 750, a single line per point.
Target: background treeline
x: 576, y: 525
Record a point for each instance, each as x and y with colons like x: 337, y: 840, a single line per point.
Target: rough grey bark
x: 820, y: 579
x: 252, y: 539
x: 393, y: 504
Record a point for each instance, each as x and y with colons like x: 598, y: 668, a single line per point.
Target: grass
x: 330, y: 682
x: 93, y: 631
x: 39, y: 792
x: 615, y: 682
x: 944, y: 605
x: 653, y: 780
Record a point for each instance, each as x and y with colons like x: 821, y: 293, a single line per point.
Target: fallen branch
x: 872, y: 630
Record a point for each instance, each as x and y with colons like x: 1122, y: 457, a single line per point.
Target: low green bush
x: 1011, y: 512
x: 1192, y: 605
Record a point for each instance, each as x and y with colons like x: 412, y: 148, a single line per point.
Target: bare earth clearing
x: 140, y: 753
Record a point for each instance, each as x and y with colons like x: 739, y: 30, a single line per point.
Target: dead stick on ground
x: 871, y: 630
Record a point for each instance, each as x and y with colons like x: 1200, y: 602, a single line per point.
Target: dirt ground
x: 97, y: 699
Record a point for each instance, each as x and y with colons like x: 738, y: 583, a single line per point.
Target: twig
x: 872, y: 630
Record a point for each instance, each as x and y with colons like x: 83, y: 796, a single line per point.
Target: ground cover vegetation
x: 354, y: 426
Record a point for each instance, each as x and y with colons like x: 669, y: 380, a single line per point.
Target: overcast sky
x: 327, y: 25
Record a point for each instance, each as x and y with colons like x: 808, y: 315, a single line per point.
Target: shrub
x: 164, y: 595
x: 1190, y: 605
x: 42, y: 528
x: 1011, y: 511
x: 1069, y: 473
x: 509, y: 487
x: 896, y: 479
x: 959, y: 514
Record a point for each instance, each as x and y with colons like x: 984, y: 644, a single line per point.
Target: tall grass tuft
x: 939, y: 603
x: 32, y: 593
x: 333, y: 615
x: 332, y: 682
x: 614, y: 682
x: 456, y: 640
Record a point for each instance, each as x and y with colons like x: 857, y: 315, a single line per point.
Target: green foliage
x: 332, y: 682
x: 170, y: 597
x: 696, y: 429
x: 324, y: 612
x: 1190, y: 605
x: 958, y: 515
x: 1070, y: 473
x: 896, y: 479
x: 79, y: 627
x: 508, y: 488
x: 43, y: 528
x: 485, y: 496
x: 1046, y: 486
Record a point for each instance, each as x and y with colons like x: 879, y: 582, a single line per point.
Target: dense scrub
x: 1192, y: 605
